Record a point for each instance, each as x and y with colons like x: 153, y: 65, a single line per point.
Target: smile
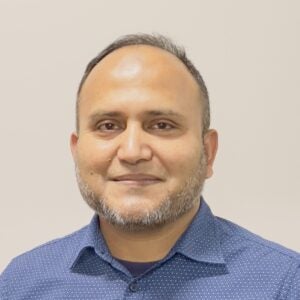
x: 136, y: 179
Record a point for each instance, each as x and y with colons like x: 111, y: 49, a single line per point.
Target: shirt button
x: 133, y: 286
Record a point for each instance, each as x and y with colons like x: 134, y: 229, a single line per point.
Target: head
x: 143, y: 147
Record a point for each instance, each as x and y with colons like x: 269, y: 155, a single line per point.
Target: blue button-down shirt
x: 214, y: 259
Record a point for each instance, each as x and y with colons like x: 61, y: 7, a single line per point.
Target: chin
x: 130, y: 205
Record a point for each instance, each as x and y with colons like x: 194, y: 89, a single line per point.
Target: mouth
x: 136, y: 179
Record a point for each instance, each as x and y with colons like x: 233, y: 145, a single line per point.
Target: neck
x: 149, y: 245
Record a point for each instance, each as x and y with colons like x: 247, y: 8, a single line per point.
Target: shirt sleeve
x: 2, y: 287
x: 294, y: 293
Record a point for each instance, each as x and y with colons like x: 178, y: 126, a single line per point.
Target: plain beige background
x: 248, y: 53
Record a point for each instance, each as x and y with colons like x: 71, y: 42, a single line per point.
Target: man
x: 142, y: 150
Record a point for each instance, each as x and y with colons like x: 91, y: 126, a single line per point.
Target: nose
x: 133, y: 146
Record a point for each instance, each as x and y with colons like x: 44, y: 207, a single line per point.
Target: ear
x: 73, y: 144
x: 211, y: 147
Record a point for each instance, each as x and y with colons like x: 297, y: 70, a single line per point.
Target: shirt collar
x: 200, y: 242
x: 92, y: 239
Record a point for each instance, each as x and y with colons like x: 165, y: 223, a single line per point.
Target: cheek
x: 179, y: 157
x: 94, y: 156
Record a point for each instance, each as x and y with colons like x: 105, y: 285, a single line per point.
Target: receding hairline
x: 163, y: 51
x: 157, y: 41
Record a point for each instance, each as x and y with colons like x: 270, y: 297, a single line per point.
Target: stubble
x: 175, y: 204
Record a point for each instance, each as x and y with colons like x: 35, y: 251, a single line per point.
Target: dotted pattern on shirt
x: 252, y: 269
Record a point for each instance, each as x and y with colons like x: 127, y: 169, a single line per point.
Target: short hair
x: 158, y: 41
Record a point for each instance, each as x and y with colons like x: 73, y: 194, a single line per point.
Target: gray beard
x: 171, y: 208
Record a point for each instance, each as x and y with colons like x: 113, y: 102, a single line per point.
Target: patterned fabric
x: 214, y: 259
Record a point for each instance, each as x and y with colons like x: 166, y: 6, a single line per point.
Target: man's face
x: 140, y: 157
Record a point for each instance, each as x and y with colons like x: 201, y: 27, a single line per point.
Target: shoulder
x: 238, y: 236
x: 248, y: 254
x: 44, y: 259
x: 40, y: 268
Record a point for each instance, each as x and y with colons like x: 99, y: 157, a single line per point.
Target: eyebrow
x: 102, y: 113
x: 167, y: 112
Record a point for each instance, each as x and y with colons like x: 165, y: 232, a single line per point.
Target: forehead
x: 140, y: 72
x: 140, y: 64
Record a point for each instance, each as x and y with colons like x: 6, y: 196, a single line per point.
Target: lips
x: 139, y: 179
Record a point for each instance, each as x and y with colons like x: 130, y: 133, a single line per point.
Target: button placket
x: 133, y: 286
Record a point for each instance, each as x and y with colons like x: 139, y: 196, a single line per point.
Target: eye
x: 108, y: 126
x: 161, y: 125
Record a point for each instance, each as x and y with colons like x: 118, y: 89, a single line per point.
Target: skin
x: 119, y: 134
